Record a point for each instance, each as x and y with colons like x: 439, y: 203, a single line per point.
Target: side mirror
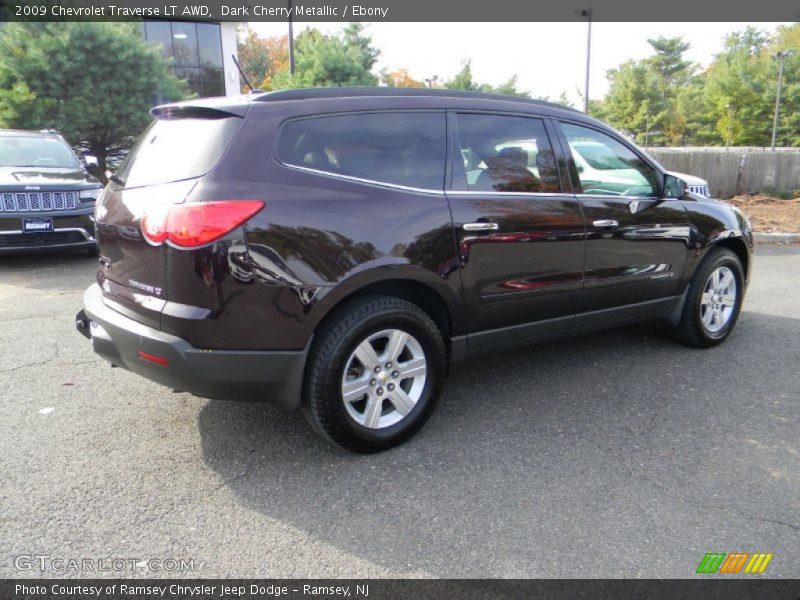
x: 90, y: 161
x: 674, y: 187
x: 579, y: 168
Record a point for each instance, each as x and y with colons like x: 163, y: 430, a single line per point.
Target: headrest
x: 512, y: 157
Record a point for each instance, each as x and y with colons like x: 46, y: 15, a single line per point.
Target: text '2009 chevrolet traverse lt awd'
x: 336, y: 249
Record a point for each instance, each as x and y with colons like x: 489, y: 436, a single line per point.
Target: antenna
x: 241, y: 72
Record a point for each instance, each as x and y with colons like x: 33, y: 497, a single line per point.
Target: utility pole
x: 730, y: 124
x: 291, y: 40
x: 782, y: 56
x: 588, y: 14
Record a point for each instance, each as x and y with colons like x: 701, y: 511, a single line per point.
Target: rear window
x: 176, y: 149
x: 400, y: 148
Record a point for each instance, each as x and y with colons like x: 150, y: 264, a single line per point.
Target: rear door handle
x: 606, y: 223
x: 480, y: 226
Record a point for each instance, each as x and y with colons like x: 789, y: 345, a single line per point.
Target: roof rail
x: 366, y: 91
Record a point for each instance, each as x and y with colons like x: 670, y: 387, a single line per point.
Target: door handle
x: 482, y: 226
x: 606, y: 223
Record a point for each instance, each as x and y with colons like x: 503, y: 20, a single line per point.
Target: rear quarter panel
x: 318, y: 240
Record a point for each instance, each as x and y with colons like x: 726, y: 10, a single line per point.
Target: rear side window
x: 176, y: 149
x: 400, y: 148
x: 504, y: 154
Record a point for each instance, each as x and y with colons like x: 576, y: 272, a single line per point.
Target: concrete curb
x: 776, y: 238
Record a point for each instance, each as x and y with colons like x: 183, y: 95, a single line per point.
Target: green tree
x: 643, y: 94
x: 509, y: 88
x: 668, y: 62
x: 253, y: 56
x: 399, y: 78
x: 463, y: 80
x: 635, y: 103
x: 331, y: 60
x: 262, y: 59
x: 694, y: 116
x: 94, y: 82
x: 787, y: 37
x: 737, y: 89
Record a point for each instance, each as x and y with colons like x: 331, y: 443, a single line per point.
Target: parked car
x: 694, y: 184
x: 336, y: 249
x: 47, y: 196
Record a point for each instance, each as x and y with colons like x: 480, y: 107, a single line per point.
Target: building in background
x: 201, y: 53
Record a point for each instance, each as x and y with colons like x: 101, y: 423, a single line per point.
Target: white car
x: 696, y: 185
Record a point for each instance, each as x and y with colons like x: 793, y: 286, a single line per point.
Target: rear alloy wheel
x: 384, y: 379
x: 713, y: 301
x: 374, y: 374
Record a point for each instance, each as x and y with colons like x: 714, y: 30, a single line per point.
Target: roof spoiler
x: 196, y: 111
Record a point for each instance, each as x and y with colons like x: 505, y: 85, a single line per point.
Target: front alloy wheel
x: 718, y: 302
x: 713, y: 300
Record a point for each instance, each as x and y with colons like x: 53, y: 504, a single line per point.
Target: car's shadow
x: 534, y: 458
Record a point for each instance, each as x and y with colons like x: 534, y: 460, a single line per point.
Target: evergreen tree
x: 93, y: 82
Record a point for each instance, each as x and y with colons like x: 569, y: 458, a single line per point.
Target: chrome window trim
x: 507, y: 194
x: 437, y: 192
x: 395, y: 186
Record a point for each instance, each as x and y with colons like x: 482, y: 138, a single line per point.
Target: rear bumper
x: 173, y: 362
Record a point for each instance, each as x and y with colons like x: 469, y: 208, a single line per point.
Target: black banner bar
x: 732, y: 588
x: 402, y: 10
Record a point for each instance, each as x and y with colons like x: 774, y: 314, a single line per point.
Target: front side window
x: 606, y: 166
x: 400, y: 148
x: 504, y: 154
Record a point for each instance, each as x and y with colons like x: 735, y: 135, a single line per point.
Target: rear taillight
x: 193, y: 225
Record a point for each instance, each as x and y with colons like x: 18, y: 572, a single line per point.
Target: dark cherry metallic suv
x: 336, y: 249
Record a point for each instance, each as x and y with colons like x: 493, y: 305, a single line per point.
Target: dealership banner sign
x: 400, y: 10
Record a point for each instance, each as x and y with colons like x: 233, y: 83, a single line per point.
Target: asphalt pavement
x: 617, y: 454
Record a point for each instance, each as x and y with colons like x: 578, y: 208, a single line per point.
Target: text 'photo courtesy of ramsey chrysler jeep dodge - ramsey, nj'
x: 336, y: 249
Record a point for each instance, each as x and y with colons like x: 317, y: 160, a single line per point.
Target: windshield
x: 30, y: 151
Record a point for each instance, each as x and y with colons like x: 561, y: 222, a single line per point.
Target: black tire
x: 93, y: 251
x: 690, y: 329
x: 323, y: 404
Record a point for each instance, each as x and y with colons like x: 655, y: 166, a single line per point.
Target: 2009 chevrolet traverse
x: 335, y: 249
